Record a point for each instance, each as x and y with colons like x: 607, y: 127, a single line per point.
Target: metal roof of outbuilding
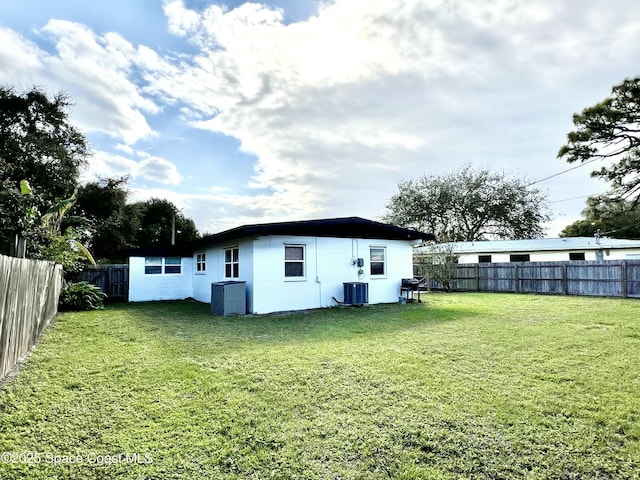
x: 541, y: 244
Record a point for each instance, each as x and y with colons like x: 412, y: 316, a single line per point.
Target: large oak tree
x: 469, y: 204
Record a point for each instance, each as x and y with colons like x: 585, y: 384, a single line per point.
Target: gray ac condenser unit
x: 356, y: 293
x: 228, y: 298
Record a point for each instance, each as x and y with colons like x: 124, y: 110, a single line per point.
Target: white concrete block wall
x: 202, y: 280
x: 175, y: 286
x: 328, y: 264
x: 215, y: 269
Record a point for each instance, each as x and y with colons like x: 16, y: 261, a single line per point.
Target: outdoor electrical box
x: 228, y: 298
x: 361, y: 262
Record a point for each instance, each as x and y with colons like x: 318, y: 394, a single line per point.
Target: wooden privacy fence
x: 112, y: 279
x: 613, y: 278
x: 29, y: 292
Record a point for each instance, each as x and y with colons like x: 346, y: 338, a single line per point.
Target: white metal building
x: 544, y: 250
x: 286, y: 266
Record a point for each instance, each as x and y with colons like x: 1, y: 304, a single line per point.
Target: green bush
x: 81, y: 296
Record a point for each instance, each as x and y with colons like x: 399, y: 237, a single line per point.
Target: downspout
x: 318, y: 281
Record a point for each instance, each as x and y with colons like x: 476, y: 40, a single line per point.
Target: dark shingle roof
x: 348, y: 227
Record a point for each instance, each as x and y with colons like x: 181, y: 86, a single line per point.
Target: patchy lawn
x: 462, y: 386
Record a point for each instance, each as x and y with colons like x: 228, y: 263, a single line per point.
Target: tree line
x: 47, y: 212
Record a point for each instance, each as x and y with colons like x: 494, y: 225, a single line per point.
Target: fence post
x: 624, y: 285
x: 565, y: 282
x: 516, y: 277
x: 477, y: 279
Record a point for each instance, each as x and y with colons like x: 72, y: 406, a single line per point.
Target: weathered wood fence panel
x: 633, y: 279
x: 618, y: 278
x: 112, y: 279
x: 29, y: 293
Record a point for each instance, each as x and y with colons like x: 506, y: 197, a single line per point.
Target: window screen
x: 377, y: 257
x: 294, y: 261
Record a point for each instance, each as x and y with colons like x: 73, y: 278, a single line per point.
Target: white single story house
x: 542, y: 250
x: 286, y: 265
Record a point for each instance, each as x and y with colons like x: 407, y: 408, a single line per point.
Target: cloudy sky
x: 297, y: 109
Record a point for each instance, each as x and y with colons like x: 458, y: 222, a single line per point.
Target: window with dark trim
x: 294, y: 261
x: 232, y: 262
x: 520, y: 257
x: 576, y: 256
x: 484, y: 258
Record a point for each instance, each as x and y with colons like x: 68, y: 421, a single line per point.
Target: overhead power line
x: 564, y: 171
x: 576, y: 198
x: 622, y: 228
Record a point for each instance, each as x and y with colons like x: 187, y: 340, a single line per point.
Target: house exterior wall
x: 622, y: 254
x: 171, y: 286
x: 554, y: 256
x: 328, y: 264
x: 215, y: 269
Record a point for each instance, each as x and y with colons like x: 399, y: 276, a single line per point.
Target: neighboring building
x: 286, y: 266
x: 543, y: 250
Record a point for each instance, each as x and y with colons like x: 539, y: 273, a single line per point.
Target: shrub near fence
x: 29, y: 291
x: 112, y: 279
x: 613, y: 278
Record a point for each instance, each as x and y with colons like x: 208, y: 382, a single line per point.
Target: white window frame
x: 172, y: 265
x: 201, y: 263
x: 153, y: 263
x: 302, y: 261
x: 162, y: 265
x: 372, y: 262
x: 233, y: 263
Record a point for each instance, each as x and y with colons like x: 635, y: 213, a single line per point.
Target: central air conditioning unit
x: 356, y: 293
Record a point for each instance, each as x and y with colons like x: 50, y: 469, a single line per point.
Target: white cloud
x: 19, y: 59
x: 96, y: 70
x: 156, y: 169
x: 341, y: 106
x: 99, y: 70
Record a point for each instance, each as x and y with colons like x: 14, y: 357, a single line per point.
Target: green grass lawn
x: 462, y: 386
